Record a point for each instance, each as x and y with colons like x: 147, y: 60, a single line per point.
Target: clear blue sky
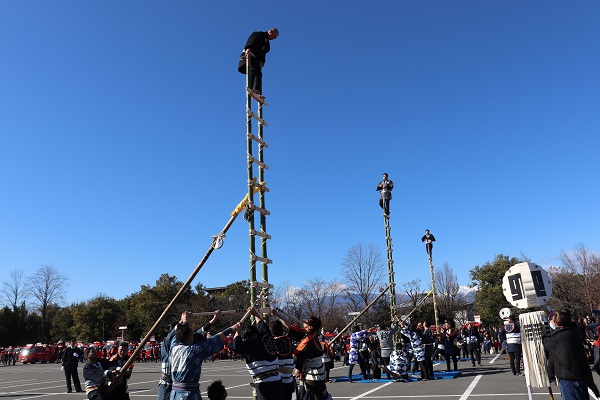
x: 122, y: 127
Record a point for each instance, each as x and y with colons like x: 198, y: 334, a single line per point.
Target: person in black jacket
x: 69, y: 366
x: 385, y: 188
x: 428, y: 238
x: 97, y: 375
x: 567, y: 360
x: 473, y: 339
x: 254, y: 53
x: 258, y: 346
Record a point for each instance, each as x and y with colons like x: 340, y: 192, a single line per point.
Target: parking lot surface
x: 493, y: 380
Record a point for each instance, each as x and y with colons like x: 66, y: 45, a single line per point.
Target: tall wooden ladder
x: 256, y: 183
x: 390, y: 263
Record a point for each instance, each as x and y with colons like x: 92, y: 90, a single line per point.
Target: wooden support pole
x: 185, y: 286
x: 207, y: 313
x: 361, y: 313
x: 435, y: 311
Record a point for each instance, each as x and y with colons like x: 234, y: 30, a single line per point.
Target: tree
x: 363, y: 273
x: 144, y: 307
x: 316, y: 297
x: 575, y: 283
x: 97, y: 319
x: 62, y: 324
x: 448, y: 296
x: 586, y: 264
x: 13, y: 291
x: 489, y: 298
x: 288, y: 298
x: 566, y: 290
x: 413, y: 291
x: 322, y: 298
x: 46, y: 286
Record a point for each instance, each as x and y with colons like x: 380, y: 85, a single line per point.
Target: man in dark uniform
x: 428, y: 238
x: 69, y: 366
x: 255, y: 52
x: 511, y: 333
x: 385, y: 189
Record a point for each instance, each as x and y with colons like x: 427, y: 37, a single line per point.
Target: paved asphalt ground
x: 492, y: 381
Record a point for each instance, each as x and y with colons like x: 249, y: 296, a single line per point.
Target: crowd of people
x: 283, y: 358
x: 9, y: 356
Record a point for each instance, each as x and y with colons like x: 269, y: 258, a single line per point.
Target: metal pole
x: 361, y: 313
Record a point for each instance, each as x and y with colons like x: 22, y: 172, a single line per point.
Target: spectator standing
x: 567, y: 360
x: 69, y: 367
x: 472, y: 339
x: 449, y: 337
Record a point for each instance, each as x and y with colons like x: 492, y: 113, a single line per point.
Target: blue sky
x: 122, y: 127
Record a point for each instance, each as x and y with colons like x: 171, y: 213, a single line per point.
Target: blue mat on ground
x: 411, y: 377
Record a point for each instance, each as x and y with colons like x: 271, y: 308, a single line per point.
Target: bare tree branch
x: 13, y: 292
x: 47, y: 286
x: 363, y: 271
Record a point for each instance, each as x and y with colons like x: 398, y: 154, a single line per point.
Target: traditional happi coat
x: 260, y: 353
x: 355, y: 339
x: 186, y: 366
x: 415, y: 344
x: 399, y: 362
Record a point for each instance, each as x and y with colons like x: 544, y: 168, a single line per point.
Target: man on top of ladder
x: 254, y: 55
x: 428, y: 238
x: 385, y: 189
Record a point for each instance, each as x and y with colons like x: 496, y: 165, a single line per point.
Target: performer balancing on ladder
x: 385, y: 189
x: 254, y: 55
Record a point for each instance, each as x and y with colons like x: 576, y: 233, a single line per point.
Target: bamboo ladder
x: 256, y: 183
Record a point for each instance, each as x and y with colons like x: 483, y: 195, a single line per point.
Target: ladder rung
x: 260, y: 210
x: 257, y: 139
x: 260, y: 187
x: 260, y: 163
x: 263, y: 260
x: 261, y: 234
x: 262, y: 285
x: 256, y: 97
x: 259, y: 119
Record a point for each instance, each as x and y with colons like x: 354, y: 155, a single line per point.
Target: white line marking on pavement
x: 371, y: 391
x: 494, y: 359
x: 471, y: 387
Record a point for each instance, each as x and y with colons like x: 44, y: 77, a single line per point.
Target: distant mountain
x: 468, y: 292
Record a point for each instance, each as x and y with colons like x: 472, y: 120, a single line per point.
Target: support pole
x: 216, y: 243
x: 417, y: 305
x: 262, y: 204
x: 435, y: 311
x: 250, y: 214
x: 361, y: 313
x: 390, y: 262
